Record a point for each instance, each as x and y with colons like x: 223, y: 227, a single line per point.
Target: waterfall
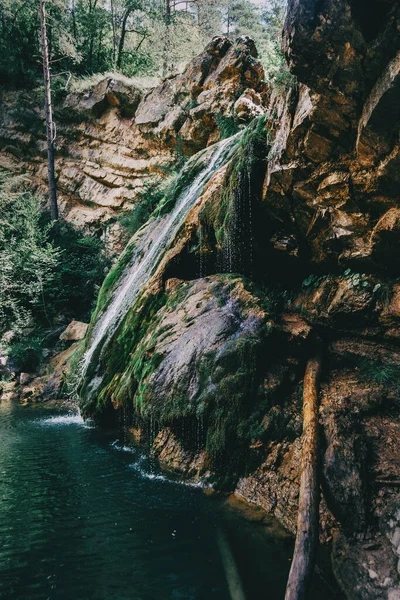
x: 145, y: 262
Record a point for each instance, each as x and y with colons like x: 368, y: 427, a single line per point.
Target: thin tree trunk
x: 99, y: 46
x: 123, y: 35
x: 74, y: 21
x: 167, y: 44
x: 199, y: 23
x: 50, y: 129
x: 92, y: 8
x: 113, y: 32
x: 308, y: 516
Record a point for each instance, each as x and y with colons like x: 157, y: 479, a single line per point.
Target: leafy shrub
x: 29, y: 260
x: 47, y: 269
x: 81, y: 270
x: 146, y: 201
x: 227, y: 125
x: 27, y: 353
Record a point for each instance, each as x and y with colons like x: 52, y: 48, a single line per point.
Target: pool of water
x: 84, y: 517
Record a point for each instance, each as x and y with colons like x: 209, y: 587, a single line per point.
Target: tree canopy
x: 135, y: 37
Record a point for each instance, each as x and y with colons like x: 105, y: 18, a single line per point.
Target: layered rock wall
x: 117, y: 136
x: 308, y: 210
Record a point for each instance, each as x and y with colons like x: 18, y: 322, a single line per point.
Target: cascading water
x: 144, y: 264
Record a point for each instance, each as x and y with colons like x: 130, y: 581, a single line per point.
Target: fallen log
x: 308, y: 516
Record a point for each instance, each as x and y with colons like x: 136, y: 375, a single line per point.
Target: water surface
x: 82, y: 517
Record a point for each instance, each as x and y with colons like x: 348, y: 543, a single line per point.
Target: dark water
x: 82, y: 518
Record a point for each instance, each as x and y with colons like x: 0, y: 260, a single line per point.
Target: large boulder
x: 195, y: 104
x: 93, y: 101
x: 75, y: 331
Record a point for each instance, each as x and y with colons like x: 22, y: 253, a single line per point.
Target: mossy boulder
x: 195, y: 352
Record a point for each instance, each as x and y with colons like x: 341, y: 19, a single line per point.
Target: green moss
x: 179, y: 184
x: 146, y: 201
x: 230, y: 402
x: 111, y: 280
x: 235, y: 386
x: 127, y: 362
x: 228, y: 126
x: 226, y: 222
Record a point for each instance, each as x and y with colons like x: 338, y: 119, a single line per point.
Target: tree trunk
x: 92, y: 31
x: 113, y: 32
x: 122, y: 38
x: 74, y: 32
x: 50, y: 129
x: 168, y: 41
x: 199, y: 15
x: 308, y: 516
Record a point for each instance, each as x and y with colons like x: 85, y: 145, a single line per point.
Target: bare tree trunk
x: 50, y: 129
x: 199, y: 15
x: 123, y: 36
x: 168, y: 41
x: 74, y: 21
x: 113, y: 32
x: 92, y: 8
x: 308, y: 516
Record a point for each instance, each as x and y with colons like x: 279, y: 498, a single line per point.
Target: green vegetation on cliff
x: 226, y: 227
x: 49, y: 272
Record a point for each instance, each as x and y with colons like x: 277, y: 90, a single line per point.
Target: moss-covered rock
x: 196, y: 351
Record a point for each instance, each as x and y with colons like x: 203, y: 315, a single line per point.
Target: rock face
x: 75, y: 331
x: 308, y: 210
x: 117, y: 136
x: 193, y: 106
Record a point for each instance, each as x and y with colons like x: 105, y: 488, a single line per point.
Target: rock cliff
x: 306, y: 215
x: 115, y: 136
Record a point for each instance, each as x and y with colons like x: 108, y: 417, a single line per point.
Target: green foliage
x: 376, y: 371
x: 48, y: 270
x: 81, y: 269
x: 355, y: 280
x: 273, y: 15
x: 283, y: 79
x: 28, y: 258
x: 227, y: 126
x: 145, y: 202
x: 27, y: 352
x: 131, y: 36
x: 20, y: 40
x: 275, y: 300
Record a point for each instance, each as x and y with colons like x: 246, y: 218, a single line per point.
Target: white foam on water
x: 137, y: 466
x: 68, y: 419
x: 147, y: 474
x: 115, y: 445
